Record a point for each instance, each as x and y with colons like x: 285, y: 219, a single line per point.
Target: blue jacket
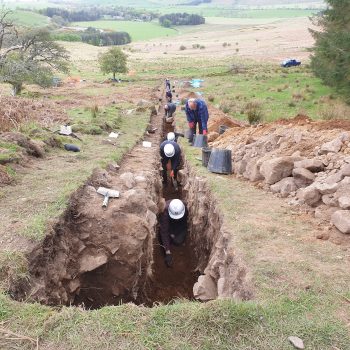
x: 200, y: 114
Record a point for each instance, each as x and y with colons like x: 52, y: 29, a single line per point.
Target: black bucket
x: 200, y: 141
x: 220, y: 161
x: 206, y: 151
x: 222, y: 129
x: 189, y: 135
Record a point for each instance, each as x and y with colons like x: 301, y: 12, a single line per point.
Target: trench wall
x: 223, y: 273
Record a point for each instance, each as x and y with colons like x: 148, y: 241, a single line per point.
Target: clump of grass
x: 211, y: 98
x: 225, y: 107
x: 297, y: 96
x: 291, y: 104
x: 335, y: 111
x: 202, y: 47
x: 182, y: 47
x: 13, y: 266
x: 225, y: 44
x: 254, y: 112
x: 196, y: 46
x: 94, y: 111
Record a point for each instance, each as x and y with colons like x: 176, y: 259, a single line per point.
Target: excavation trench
x: 96, y: 257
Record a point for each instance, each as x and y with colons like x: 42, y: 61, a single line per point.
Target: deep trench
x: 56, y: 277
x: 164, y: 285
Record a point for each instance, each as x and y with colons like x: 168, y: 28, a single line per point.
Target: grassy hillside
x: 137, y: 30
x: 30, y: 19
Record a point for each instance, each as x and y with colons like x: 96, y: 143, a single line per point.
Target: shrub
x: 224, y: 44
x: 211, y: 98
x: 254, y: 112
x: 182, y: 48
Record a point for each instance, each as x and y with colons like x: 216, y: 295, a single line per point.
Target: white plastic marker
x: 147, y: 144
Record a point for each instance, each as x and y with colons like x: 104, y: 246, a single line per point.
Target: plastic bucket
x: 206, y: 151
x: 223, y: 128
x: 200, y: 141
x: 189, y: 135
x: 220, y: 161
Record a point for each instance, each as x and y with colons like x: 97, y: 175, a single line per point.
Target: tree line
x: 97, y: 13
x: 181, y: 19
x: 95, y: 37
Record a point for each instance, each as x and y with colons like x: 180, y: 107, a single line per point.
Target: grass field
x: 235, y: 13
x: 30, y: 19
x: 137, y: 30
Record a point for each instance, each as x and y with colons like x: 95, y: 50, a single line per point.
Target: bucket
x: 206, y: 151
x: 222, y: 129
x: 189, y: 135
x: 200, y: 141
x: 220, y: 161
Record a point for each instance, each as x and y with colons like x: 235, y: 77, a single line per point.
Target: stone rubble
x: 302, y: 160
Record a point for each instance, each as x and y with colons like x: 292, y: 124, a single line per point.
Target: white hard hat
x: 166, y: 107
x: 176, y: 209
x: 170, y: 136
x: 169, y: 150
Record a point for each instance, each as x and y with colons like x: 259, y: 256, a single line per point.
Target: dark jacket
x: 167, y: 84
x: 175, y: 160
x: 169, y: 226
x: 169, y: 94
x: 201, y: 113
x: 171, y: 109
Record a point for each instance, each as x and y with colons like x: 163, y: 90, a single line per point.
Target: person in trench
x: 173, y: 136
x: 170, y: 153
x: 197, y: 113
x: 169, y: 110
x: 173, y: 227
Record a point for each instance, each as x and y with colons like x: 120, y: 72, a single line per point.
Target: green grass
x: 94, y: 154
x: 138, y: 30
x: 29, y: 19
x: 183, y: 325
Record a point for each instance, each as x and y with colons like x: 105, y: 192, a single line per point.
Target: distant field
x: 234, y: 13
x: 31, y: 19
x: 138, y: 30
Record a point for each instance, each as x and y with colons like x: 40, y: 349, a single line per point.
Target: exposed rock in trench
x: 223, y: 273
x: 96, y: 257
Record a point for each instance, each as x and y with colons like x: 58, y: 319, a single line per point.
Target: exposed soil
x: 96, y: 257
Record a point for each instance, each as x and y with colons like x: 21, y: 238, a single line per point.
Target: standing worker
x: 169, y: 110
x: 197, y: 112
x: 173, y: 226
x: 167, y: 84
x: 170, y: 153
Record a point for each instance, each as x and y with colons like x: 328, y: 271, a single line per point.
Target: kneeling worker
x: 173, y: 226
x: 170, y: 153
x: 169, y: 110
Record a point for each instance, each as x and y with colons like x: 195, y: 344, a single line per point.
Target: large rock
x: 334, y: 178
x: 344, y: 202
x: 128, y: 179
x: 324, y: 212
x: 205, y: 288
x: 333, y: 146
x: 341, y: 220
x: 330, y: 200
x: 91, y: 261
x: 313, y: 165
x: 303, y: 177
x: 276, y: 169
x: 252, y: 171
x: 285, y: 186
x: 309, y: 195
x: 345, y: 170
x: 326, y: 188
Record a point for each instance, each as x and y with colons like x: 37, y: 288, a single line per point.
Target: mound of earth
x: 304, y: 160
